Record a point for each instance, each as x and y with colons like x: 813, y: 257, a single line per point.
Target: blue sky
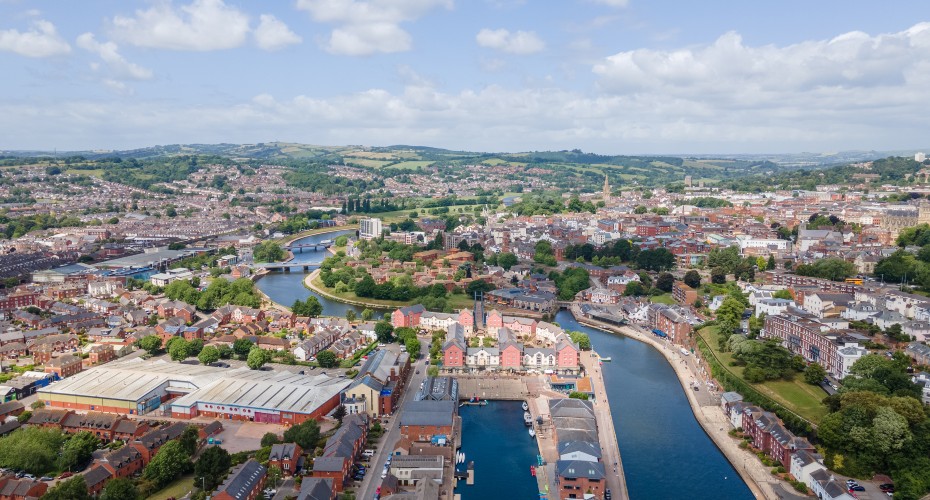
x: 608, y: 76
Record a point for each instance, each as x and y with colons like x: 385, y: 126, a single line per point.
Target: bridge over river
x: 314, y: 247
x: 288, y: 266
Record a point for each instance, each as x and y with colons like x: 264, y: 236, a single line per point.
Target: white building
x: 163, y: 279
x: 767, y: 243
x: 369, y: 228
x: 773, y: 306
x: 919, y: 157
x: 848, y: 355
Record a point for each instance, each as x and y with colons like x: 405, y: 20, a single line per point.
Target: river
x: 285, y: 288
x: 665, y: 452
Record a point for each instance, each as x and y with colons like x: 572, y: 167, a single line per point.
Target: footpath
x: 706, y: 411
x: 616, y: 480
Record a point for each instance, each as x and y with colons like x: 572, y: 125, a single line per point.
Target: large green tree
x: 305, y: 434
x: 327, y: 359
x: 257, y: 358
x: 119, y: 489
x: 78, y: 450
x: 168, y: 464
x: 69, y: 489
x: 209, y: 355
x: 212, y: 466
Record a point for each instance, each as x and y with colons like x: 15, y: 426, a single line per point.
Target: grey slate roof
x: 580, y: 468
x: 316, y: 488
x: 242, y: 479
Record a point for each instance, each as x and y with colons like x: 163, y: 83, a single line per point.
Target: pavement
x: 606, y: 433
x: 384, y: 447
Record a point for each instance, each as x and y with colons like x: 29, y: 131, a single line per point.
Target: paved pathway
x: 606, y: 433
x: 708, y: 414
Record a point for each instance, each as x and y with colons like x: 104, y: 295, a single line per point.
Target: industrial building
x: 139, y: 386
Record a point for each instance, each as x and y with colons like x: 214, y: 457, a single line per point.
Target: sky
x: 604, y: 76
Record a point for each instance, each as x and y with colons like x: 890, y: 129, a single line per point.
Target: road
x: 366, y: 491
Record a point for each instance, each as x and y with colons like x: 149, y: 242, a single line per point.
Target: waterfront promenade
x: 706, y: 408
x: 606, y: 433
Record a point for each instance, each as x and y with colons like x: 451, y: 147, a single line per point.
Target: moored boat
x: 605, y: 359
x: 532, y: 433
x: 527, y: 419
x: 526, y: 407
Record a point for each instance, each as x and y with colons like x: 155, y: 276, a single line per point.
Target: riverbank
x: 706, y: 411
x: 287, y: 240
x: 309, y: 285
x: 606, y: 433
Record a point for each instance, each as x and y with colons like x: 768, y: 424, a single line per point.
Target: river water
x: 285, y: 288
x: 665, y: 452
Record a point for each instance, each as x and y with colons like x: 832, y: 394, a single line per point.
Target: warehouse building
x: 139, y: 386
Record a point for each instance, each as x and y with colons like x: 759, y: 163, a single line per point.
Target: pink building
x: 408, y: 317
x: 567, y: 353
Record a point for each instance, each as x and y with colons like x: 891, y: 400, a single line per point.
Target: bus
x: 854, y: 281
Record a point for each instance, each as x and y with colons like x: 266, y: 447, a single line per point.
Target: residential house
x: 244, y: 482
x: 287, y: 457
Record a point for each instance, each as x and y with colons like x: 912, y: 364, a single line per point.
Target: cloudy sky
x: 607, y: 76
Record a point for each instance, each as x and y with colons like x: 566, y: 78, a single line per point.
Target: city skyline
x: 607, y: 76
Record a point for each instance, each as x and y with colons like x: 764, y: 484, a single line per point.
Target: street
x: 372, y: 478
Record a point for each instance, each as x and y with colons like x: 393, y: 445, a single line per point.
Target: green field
x: 411, y: 164
x: 665, y: 298
x: 177, y: 489
x: 366, y: 162
x: 796, y: 395
x: 95, y: 173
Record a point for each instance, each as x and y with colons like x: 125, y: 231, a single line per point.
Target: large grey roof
x: 242, y: 479
x: 434, y: 413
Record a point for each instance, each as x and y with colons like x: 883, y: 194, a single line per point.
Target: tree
x: 170, y: 462
x: 268, y: 251
x: 814, y: 374
x: 432, y: 371
x: 150, y: 343
x: 582, y: 339
x: 350, y: 315
x: 693, y: 279
x: 189, y: 438
x: 578, y: 395
x: 718, y: 276
x: 634, y: 289
x: 507, y: 260
x: 413, y: 346
x: 119, y: 488
x: 339, y: 413
x: 665, y: 281
x: 213, y: 465
x: 367, y: 314
x: 257, y: 358
x: 327, y: 359
x: 274, y: 474
x: 179, y: 350
x: 242, y: 347
x: 305, y: 434
x: 70, y: 489
x: 384, y: 330
x: 37, y: 405
x: 78, y: 450
x: 310, y: 307
x: 209, y: 355
x: 770, y: 264
x: 782, y: 294
x: 270, y: 438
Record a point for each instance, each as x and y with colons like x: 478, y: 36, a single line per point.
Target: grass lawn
x: 411, y: 164
x: 177, y: 489
x: 665, y: 298
x: 311, y: 232
x: 796, y: 395
x: 94, y: 173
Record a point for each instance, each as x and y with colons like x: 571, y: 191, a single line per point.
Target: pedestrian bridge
x: 313, y: 247
x: 288, y: 266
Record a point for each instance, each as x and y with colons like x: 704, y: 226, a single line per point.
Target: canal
x: 665, y: 452
x: 285, y: 288
x: 495, y: 438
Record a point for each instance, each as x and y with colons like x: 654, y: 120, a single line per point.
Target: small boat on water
x: 460, y: 457
x: 526, y: 407
x: 533, y: 470
x: 532, y: 433
x: 527, y: 419
x: 605, y: 359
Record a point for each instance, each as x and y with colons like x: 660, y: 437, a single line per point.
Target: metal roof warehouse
x: 138, y: 386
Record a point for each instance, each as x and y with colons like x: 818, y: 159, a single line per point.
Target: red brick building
x: 683, y: 293
x: 244, y: 482
x: 64, y: 366
x: 286, y: 457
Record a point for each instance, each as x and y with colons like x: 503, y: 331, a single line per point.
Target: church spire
x: 606, y: 188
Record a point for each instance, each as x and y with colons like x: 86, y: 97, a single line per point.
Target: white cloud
x: 203, y: 25
x: 518, y: 42
x: 42, y: 40
x: 365, y: 27
x: 272, y: 34
x: 109, y: 53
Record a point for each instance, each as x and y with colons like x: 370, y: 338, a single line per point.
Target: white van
x: 368, y: 453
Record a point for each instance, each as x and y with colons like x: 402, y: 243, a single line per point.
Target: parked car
x: 886, y: 487
x: 65, y: 475
x: 856, y: 487
x: 46, y: 478
x: 607, y: 494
